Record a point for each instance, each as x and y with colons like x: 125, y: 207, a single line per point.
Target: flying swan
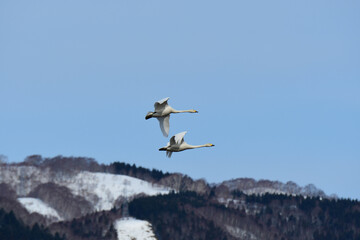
x: 177, y: 144
x: 162, y: 113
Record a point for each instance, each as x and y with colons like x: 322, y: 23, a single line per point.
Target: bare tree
x: 34, y: 160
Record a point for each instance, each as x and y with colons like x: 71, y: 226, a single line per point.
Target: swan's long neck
x: 185, y: 146
x: 183, y: 111
x: 188, y: 146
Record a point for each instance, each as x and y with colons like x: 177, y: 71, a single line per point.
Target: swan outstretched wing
x: 179, y: 138
x: 164, y: 125
x: 161, y: 104
x: 172, y: 141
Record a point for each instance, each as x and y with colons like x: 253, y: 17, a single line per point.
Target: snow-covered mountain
x: 101, y: 190
x: 84, y: 200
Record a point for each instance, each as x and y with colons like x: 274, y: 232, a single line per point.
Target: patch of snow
x: 262, y: 191
x: 131, y: 228
x: 108, y: 187
x: 240, y: 233
x: 227, y: 201
x: 38, y: 206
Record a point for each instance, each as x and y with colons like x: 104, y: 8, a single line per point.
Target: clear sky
x: 276, y: 84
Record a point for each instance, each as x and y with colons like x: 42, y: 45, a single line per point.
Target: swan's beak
x: 194, y: 111
x: 162, y: 149
x: 212, y: 145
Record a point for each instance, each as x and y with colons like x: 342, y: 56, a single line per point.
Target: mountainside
x: 250, y: 186
x: 77, y: 198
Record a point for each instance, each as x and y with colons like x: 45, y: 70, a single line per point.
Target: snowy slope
x: 130, y: 228
x: 108, y: 187
x: 100, y: 189
x: 38, y: 206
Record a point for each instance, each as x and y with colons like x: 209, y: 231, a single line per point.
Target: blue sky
x: 276, y: 84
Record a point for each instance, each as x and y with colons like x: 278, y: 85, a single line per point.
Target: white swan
x: 162, y: 113
x: 177, y: 144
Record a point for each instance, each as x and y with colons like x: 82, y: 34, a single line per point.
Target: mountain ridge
x: 177, y: 181
x: 91, y: 198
